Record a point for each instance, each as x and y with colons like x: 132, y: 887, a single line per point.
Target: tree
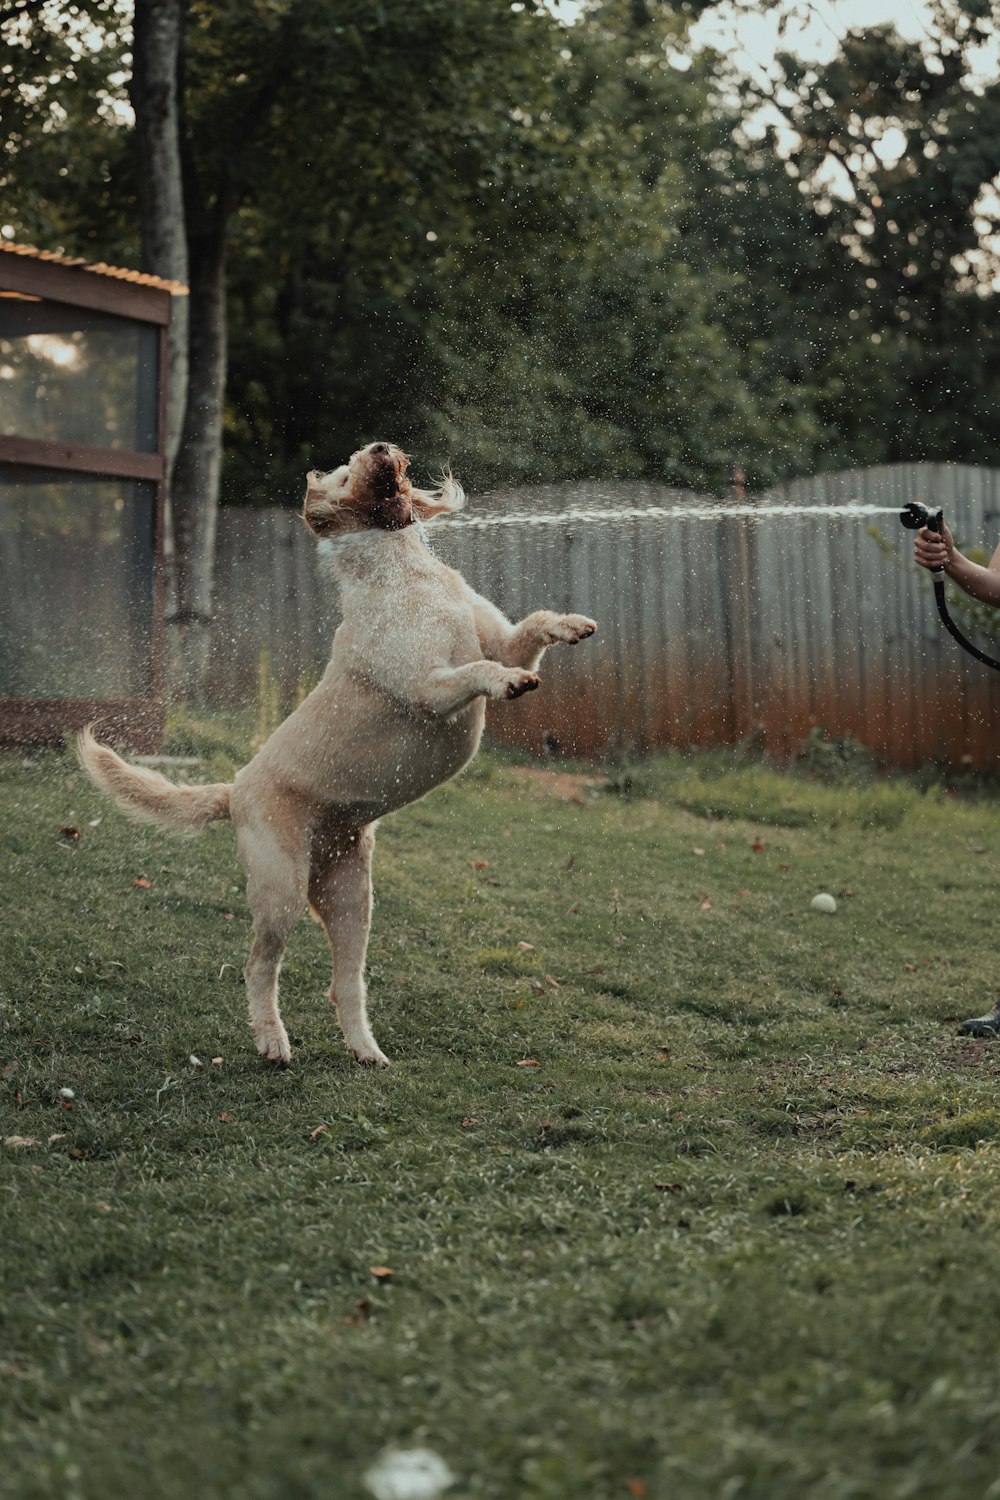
x: 865, y: 224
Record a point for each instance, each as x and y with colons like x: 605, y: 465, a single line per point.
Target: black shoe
x: 988, y: 1025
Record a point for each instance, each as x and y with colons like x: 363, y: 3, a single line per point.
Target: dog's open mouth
x: 385, y: 473
x: 390, y: 489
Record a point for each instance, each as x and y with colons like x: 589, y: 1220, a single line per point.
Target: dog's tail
x: 148, y: 795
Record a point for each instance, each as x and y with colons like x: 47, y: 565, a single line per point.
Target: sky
x: 752, y: 40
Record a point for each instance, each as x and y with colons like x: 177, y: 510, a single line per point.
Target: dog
x: 399, y: 710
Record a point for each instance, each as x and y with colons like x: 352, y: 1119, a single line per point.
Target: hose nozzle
x: 916, y: 515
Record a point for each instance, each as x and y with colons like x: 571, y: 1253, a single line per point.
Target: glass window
x: 76, y: 585
x: 68, y: 375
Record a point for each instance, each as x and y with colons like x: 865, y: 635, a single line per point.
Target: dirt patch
x: 567, y: 786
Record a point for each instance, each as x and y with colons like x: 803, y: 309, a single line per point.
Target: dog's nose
x: 379, y: 448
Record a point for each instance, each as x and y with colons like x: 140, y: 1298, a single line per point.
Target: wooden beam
x: 114, y: 462
x: 135, y: 723
x: 81, y: 288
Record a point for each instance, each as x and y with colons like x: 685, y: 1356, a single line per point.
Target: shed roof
x: 116, y: 273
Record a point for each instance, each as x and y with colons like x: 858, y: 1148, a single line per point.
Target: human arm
x: 937, y: 550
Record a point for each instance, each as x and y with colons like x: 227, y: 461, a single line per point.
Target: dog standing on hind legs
x: 399, y: 709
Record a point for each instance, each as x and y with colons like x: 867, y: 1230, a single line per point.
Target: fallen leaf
x: 105, y: 1208
x: 229, y: 916
x: 669, y: 1187
x: 553, y: 982
x: 10, y: 1070
x: 216, y: 1062
x: 479, y: 864
x: 381, y: 1273
x: 784, y: 867
x: 196, y: 1063
x: 744, y: 892
x: 635, y: 1487
x: 75, y: 1154
x: 470, y: 1122
x: 696, y: 850
x: 143, y: 883
x: 60, y: 1136
x: 94, y: 823
x: 21, y: 1140
x: 537, y: 986
x: 910, y: 968
x: 66, y: 1103
x: 314, y: 1135
x: 69, y: 833
x: 226, y: 1117
x: 573, y: 910
x: 705, y: 905
x: 529, y: 1062
x: 758, y: 847
x: 597, y: 970
x: 361, y: 1313
x: 526, y: 947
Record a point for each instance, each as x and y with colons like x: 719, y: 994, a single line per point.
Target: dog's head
x: 372, y: 493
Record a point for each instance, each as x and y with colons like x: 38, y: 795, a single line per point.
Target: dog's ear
x: 319, y: 511
x: 430, y: 503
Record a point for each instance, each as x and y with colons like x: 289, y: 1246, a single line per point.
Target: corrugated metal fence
x: 712, y: 627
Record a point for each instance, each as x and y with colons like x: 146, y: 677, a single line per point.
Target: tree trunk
x: 199, y: 461
x: 158, y: 34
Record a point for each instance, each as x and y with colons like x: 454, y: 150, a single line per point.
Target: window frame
x: 136, y: 723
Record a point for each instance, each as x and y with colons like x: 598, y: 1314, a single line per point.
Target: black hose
x: 953, y: 629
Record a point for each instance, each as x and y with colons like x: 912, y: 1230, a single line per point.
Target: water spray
x: 914, y: 517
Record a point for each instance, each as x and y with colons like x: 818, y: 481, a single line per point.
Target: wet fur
x: 399, y: 709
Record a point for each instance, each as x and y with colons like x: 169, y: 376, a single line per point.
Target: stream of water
x: 597, y: 515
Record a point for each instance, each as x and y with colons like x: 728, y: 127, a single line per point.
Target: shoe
x: 988, y: 1025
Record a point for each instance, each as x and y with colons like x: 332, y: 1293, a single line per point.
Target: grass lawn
x: 696, y: 1195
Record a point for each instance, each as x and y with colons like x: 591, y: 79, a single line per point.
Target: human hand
x: 933, y: 549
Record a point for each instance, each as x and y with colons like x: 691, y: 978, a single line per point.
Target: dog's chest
x: 411, y: 610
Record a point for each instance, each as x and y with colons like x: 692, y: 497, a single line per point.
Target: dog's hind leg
x: 340, y: 894
x: 275, y: 855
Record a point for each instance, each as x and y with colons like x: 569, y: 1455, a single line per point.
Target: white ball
x: 823, y: 902
x: 409, y: 1474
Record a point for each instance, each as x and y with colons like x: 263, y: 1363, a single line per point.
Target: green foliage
x: 544, y: 248
x: 835, y: 757
x: 873, y: 231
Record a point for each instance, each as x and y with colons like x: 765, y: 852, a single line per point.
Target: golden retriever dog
x: 399, y: 709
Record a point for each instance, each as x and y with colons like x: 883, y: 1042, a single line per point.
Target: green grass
x: 736, y: 1234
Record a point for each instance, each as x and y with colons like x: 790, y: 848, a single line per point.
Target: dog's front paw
x: 513, y: 682
x: 569, y: 629
x: 273, y: 1046
x: 370, y: 1057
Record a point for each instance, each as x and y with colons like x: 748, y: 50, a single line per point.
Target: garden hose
x: 913, y: 518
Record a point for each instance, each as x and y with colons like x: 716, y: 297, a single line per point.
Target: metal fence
x: 713, y: 627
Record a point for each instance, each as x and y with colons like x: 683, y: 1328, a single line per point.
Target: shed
x: 83, y: 363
